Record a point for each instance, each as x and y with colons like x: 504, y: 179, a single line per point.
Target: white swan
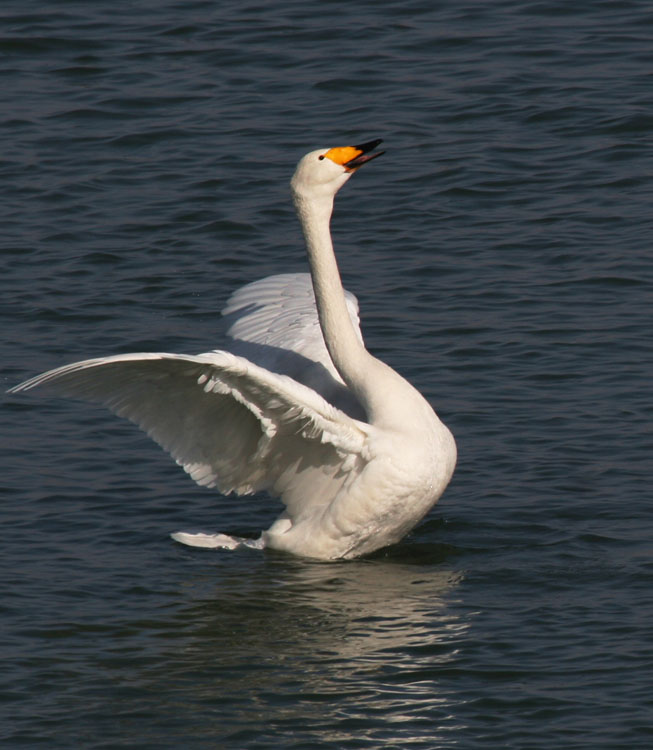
x: 355, y: 453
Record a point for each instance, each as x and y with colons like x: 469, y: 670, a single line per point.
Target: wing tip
x: 206, y: 541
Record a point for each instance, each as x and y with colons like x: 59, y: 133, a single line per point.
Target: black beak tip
x: 365, y: 155
x: 369, y: 146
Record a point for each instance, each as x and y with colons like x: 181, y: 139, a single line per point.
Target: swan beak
x: 353, y: 157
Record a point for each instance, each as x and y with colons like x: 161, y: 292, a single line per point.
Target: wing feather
x: 280, y: 311
x: 229, y: 422
x: 274, y: 323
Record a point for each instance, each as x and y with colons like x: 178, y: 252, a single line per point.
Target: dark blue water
x: 501, y: 253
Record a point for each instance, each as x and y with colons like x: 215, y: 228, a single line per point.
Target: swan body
x: 298, y: 408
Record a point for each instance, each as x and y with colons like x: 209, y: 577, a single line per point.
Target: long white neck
x: 368, y: 378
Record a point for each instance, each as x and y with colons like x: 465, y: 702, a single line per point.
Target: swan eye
x: 320, y: 157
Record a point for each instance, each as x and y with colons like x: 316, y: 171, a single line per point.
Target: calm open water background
x: 501, y: 253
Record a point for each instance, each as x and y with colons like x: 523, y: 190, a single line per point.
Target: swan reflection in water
x: 319, y: 645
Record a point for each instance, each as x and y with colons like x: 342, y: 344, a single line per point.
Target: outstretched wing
x: 274, y: 323
x: 230, y: 423
x: 280, y: 312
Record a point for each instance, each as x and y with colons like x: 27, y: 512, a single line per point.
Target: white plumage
x: 298, y: 408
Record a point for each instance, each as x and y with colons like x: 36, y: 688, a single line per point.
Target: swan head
x: 321, y: 173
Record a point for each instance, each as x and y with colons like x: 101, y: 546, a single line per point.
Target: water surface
x: 500, y: 251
